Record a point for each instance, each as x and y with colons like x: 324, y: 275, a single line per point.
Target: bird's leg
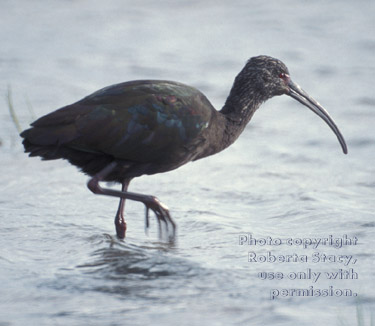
x: 119, y: 219
x: 152, y: 203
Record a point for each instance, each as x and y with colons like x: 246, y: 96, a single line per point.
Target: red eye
x: 285, y: 78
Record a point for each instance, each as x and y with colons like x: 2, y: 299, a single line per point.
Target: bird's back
x: 154, y: 124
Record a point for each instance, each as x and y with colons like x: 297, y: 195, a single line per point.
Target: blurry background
x: 60, y: 262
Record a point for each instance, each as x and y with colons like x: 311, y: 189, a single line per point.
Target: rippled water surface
x: 285, y: 177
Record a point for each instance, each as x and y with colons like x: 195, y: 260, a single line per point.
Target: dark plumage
x: 151, y: 126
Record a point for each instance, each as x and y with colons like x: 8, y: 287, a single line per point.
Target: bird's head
x: 264, y: 77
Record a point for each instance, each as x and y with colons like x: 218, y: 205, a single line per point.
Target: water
x: 285, y: 177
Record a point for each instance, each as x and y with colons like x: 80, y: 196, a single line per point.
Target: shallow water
x: 285, y: 177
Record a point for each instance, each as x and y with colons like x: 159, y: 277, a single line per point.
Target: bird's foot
x: 162, y: 214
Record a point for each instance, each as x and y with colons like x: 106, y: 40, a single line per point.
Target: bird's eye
x: 284, y: 77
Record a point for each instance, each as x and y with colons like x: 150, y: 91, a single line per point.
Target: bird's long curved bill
x: 301, y: 96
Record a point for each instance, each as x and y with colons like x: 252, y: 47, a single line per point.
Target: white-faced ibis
x: 152, y: 126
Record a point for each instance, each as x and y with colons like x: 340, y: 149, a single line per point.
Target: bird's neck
x: 244, y: 99
x: 227, y: 125
x: 237, y: 113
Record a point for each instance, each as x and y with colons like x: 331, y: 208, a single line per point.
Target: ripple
x: 362, y: 142
x: 327, y: 71
x: 127, y: 261
x: 368, y: 225
x: 370, y: 184
x: 368, y: 101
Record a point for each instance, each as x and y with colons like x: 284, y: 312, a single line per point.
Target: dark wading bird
x: 142, y: 127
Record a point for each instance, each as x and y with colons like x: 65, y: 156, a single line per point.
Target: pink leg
x: 151, y: 203
x: 119, y: 219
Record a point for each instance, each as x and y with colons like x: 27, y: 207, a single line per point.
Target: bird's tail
x: 37, y: 143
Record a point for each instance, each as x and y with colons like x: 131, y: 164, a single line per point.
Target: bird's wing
x: 141, y: 121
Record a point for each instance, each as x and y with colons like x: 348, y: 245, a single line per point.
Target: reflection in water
x: 157, y: 274
x: 122, y: 260
x: 132, y: 267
